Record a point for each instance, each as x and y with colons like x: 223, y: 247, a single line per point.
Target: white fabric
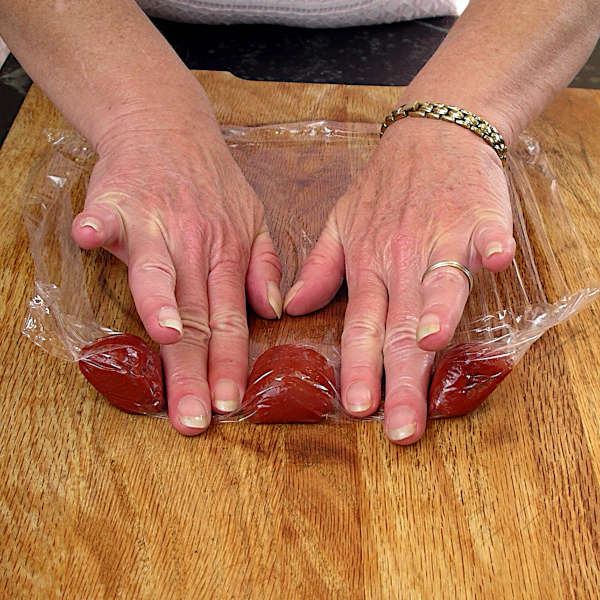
x: 301, y: 13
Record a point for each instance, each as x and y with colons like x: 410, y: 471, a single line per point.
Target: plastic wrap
x: 298, y: 171
x: 292, y: 384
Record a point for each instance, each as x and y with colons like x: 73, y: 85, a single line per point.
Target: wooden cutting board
x: 504, y: 503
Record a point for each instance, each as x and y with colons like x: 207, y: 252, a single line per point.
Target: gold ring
x: 454, y: 265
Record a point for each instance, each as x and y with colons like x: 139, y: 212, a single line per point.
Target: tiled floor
x: 381, y: 55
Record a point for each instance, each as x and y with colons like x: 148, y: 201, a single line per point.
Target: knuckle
x: 403, y: 243
x: 236, y: 252
x: 229, y: 323
x: 193, y: 236
x: 400, y: 340
x: 230, y: 256
x: 318, y: 258
x: 491, y: 224
x: 200, y: 228
x: 153, y: 265
x: 363, y: 331
x: 404, y: 391
x: 443, y: 310
x: 364, y: 278
x: 264, y: 250
x: 195, y: 326
x: 263, y: 239
x: 403, y: 248
x: 179, y: 377
x: 364, y: 369
x: 111, y: 200
x: 149, y: 305
x: 227, y: 280
x: 270, y: 257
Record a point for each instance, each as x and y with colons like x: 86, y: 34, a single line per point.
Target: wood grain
x: 503, y: 503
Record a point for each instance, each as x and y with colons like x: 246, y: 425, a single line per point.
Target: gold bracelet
x: 452, y: 114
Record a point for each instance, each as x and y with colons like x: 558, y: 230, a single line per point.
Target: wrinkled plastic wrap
x: 298, y: 171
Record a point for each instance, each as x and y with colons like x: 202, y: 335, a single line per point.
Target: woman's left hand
x: 432, y: 191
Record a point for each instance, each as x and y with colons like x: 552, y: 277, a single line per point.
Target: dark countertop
x: 379, y: 55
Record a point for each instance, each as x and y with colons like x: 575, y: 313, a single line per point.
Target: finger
x: 228, y: 349
x: 445, y: 292
x: 152, y: 282
x: 185, y: 363
x: 263, y: 279
x: 407, y: 367
x: 362, y: 343
x: 495, y: 244
x: 99, y: 224
x: 321, y: 275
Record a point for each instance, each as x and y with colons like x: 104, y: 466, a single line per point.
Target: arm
x: 101, y: 62
x: 165, y: 196
x: 434, y: 191
x: 505, y: 60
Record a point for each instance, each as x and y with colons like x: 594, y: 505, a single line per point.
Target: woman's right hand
x: 171, y: 203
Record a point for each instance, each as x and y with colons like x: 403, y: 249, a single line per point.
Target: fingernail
x: 401, y: 433
x: 274, y: 297
x: 493, y: 248
x: 358, y: 397
x: 428, y: 325
x: 227, y: 395
x: 192, y: 413
x: 402, y: 423
x: 169, y: 317
x: 292, y: 293
x: 91, y: 222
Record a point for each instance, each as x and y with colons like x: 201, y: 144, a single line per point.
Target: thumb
x: 264, y: 276
x: 321, y: 275
x: 99, y: 224
x: 495, y: 244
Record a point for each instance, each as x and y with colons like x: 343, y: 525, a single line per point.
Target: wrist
x: 450, y: 114
x: 186, y: 112
x: 500, y: 114
x: 439, y: 141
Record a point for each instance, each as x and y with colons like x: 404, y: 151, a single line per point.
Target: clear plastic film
x: 299, y: 170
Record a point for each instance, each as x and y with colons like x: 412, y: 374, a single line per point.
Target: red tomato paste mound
x: 126, y: 371
x: 290, y: 384
x: 464, y: 378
